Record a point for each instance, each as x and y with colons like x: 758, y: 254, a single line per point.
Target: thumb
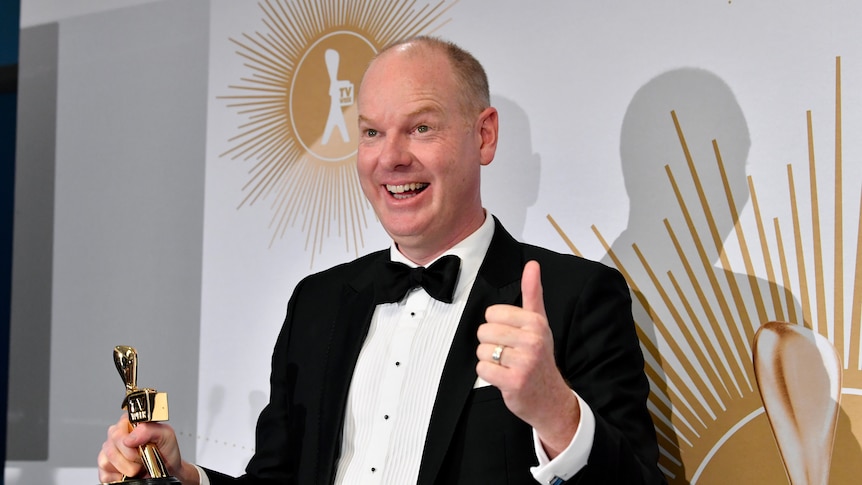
x: 531, y: 289
x: 142, y: 434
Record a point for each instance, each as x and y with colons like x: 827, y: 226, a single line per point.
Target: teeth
x: 400, y: 189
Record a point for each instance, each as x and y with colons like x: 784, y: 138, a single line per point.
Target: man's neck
x: 423, y: 255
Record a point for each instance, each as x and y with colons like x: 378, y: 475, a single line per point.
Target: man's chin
x: 402, y: 235
x: 408, y: 234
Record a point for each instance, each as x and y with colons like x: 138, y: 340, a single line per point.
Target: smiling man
x: 456, y: 356
x: 421, y: 148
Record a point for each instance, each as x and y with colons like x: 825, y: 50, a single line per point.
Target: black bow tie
x: 396, y: 279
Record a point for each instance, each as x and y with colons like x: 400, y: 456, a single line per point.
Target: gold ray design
x: 707, y: 410
x: 304, y: 181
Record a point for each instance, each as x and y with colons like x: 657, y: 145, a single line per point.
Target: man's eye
x: 422, y: 129
x: 370, y: 132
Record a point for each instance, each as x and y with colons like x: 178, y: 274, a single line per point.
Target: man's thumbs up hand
x: 516, y: 354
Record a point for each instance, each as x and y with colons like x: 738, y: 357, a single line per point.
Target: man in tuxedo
x: 456, y: 356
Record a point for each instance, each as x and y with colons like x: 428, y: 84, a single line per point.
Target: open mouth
x: 406, y: 191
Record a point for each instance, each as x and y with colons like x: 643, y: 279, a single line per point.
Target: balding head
x: 469, y: 74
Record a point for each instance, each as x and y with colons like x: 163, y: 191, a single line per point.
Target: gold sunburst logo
x: 298, y: 105
x: 708, y: 414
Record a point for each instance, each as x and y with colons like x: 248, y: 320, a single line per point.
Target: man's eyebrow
x: 424, y: 110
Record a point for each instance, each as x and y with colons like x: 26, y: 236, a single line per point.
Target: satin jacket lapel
x: 498, y: 281
x: 348, y: 333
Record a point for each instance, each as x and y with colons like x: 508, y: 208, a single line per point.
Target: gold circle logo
x: 297, y: 98
x: 323, y: 95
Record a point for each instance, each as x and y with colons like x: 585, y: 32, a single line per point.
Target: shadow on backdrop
x: 510, y: 184
x: 675, y: 206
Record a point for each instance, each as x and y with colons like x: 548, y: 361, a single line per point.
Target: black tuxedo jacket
x: 472, y: 437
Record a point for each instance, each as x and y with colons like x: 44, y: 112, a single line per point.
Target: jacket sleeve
x: 600, y: 356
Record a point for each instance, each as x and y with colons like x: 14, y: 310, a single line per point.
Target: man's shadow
x: 510, y: 184
x: 662, y: 189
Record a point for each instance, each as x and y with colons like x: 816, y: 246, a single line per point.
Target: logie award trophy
x: 143, y: 405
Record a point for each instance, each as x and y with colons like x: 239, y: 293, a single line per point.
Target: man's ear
x: 488, y: 131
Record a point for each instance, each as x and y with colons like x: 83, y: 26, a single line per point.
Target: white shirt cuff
x: 574, y: 457
x: 205, y: 480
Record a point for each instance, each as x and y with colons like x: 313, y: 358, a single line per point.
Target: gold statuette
x: 799, y: 376
x: 143, y: 405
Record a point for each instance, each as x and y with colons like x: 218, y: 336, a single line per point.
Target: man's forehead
x: 397, y: 60
x: 419, y: 79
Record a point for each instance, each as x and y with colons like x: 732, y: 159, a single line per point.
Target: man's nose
x: 395, y: 152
